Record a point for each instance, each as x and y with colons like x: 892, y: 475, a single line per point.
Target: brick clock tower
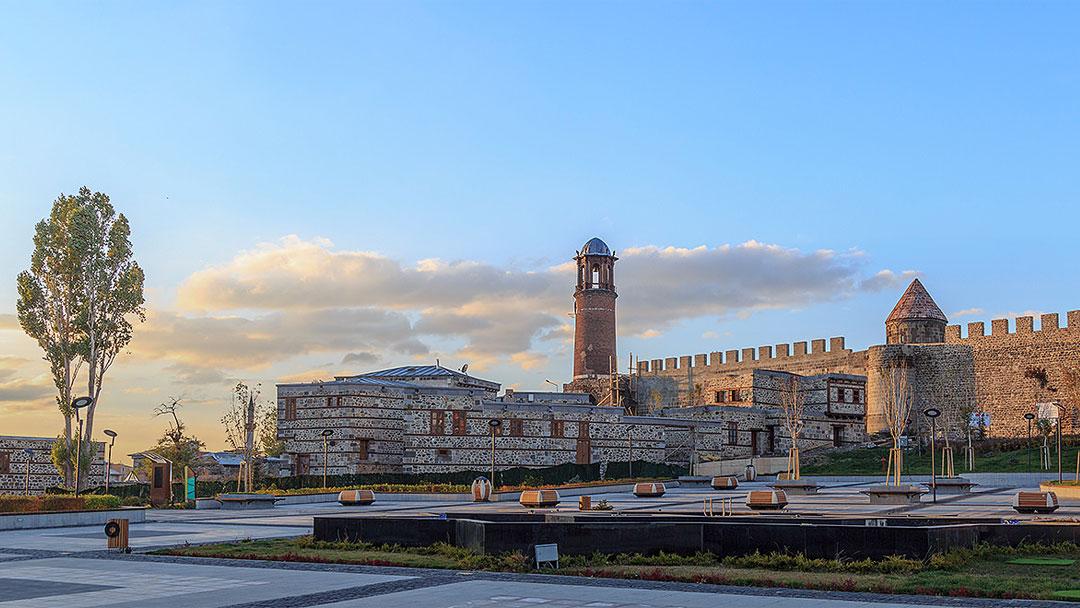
x: 594, y: 312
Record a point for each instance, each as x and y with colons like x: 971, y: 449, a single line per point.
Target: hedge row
x: 57, y: 502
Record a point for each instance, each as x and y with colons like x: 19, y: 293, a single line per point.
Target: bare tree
x: 175, y: 445
x: 897, y: 401
x: 792, y: 400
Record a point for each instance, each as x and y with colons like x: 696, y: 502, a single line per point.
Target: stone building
x: 17, y: 453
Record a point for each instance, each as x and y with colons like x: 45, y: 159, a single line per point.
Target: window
x: 5, y: 463
x: 856, y: 395
x: 583, y: 428
x: 736, y: 395
x: 517, y: 427
x: 840, y: 395
x: 362, y: 449
x: 442, y: 455
x: 438, y: 422
x: 290, y: 408
x: 459, y: 423
x: 837, y: 436
x: 329, y: 401
x: 556, y: 428
x: 721, y: 396
x: 733, y: 433
x: 595, y: 276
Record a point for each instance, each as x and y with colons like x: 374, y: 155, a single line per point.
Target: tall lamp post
x: 630, y: 450
x: 932, y: 413
x: 29, y: 460
x: 78, y: 404
x: 1029, y: 417
x: 494, y: 424
x: 108, y: 461
x: 1057, y: 410
x: 325, y: 448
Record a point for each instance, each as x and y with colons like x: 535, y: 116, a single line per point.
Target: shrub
x: 102, y: 501
x: 63, y: 502
x: 19, y: 504
x: 133, y: 501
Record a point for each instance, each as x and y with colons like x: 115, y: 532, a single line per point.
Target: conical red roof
x: 916, y: 303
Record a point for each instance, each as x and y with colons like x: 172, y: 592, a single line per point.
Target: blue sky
x: 932, y: 137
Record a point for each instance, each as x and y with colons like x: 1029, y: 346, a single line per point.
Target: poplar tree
x: 77, y: 300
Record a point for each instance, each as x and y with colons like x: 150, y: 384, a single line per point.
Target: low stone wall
x: 585, y: 534
x: 1063, y: 492
x: 60, y: 519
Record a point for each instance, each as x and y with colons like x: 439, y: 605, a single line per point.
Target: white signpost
x: 547, y: 554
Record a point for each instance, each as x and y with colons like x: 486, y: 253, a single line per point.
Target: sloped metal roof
x: 916, y: 303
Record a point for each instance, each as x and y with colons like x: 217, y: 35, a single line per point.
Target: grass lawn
x: 867, y: 461
x: 1032, y: 571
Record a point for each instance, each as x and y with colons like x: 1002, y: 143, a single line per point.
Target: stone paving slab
x: 501, y: 594
x: 131, y: 583
x: 92, y: 538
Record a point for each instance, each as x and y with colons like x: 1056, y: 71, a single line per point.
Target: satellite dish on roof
x: 464, y: 368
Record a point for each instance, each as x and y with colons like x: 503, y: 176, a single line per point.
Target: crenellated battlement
x: 747, y: 357
x: 1022, y: 326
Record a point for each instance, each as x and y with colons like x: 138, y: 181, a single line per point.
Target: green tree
x: 77, y: 299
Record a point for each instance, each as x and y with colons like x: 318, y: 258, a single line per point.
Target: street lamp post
x: 78, y: 404
x: 494, y: 424
x: 325, y: 439
x: 1057, y: 408
x: 630, y: 451
x: 29, y: 459
x: 932, y: 413
x: 108, y: 462
x: 1029, y: 417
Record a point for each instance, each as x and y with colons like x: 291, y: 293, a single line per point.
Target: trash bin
x: 750, y: 474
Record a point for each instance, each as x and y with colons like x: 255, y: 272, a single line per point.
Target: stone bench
x: 724, y: 482
x: 952, y: 485
x: 766, y: 500
x: 905, y: 494
x: 649, y: 490
x: 356, y: 498
x: 1035, y: 502
x: 247, y: 501
x: 535, y: 499
x: 796, y: 487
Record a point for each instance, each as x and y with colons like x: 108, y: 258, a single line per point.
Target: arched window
x: 595, y: 276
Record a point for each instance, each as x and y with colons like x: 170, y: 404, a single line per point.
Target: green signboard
x: 191, y: 488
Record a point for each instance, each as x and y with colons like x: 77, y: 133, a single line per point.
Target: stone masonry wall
x: 676, y: 378
x: 1002, y: 356
x: 941, y: 375
x: 530, y: 436
x: 42, y: 472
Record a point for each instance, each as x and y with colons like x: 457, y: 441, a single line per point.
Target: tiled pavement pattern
x: 67, y: 567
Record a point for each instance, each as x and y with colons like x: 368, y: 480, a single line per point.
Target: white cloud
x: 887, y: 279
x: 967, y: 312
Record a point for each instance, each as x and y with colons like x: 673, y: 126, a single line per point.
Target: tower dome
x: 916, y: 318
x: 595, y: 247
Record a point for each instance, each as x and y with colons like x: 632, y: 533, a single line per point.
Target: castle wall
x: 941, y: 375
x: 689, y: 380
x: 1001, y: 358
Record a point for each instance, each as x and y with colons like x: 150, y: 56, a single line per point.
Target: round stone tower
x: 916, y: 319
x: 594, y: 310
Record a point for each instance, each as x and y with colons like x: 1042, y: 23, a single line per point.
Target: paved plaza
x: 69, y: 567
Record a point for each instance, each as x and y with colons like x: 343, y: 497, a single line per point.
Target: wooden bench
x: 356, y: 498
x: 766, y: 500
x: 247, y: 501
x: 1035, y: 502
x: 535, y: 499
x: 649, y: 490
x: 724, y: 482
